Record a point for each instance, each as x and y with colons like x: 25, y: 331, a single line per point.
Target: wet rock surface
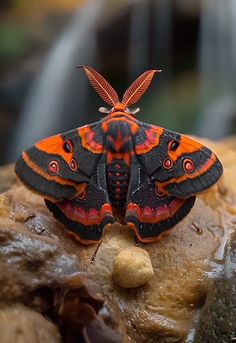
x: 37, y: 270
x: 7, y: 177
x: 217, y: 322
x: 24, y: 325
x: 218, y: 317
x: 45, y: 269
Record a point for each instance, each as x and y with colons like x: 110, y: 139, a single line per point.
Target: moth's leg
x: 137, y: 243
x: 95, y: 253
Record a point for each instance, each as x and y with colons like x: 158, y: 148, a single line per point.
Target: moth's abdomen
x: 118, y: 176
x: 118, y: 147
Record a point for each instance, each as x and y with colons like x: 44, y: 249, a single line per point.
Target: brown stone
x: 132, y: 267
x: 20, y: 324
x: 7, y: 177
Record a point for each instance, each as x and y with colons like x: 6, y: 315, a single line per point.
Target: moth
x: 118, y: 163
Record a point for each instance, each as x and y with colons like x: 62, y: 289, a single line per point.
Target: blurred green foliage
x: 13, y: 41
x: 174, y: 106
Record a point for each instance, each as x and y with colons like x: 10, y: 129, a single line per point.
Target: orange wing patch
x: 87, y: 140
x: 153, y: 135
x: 54, y: 145
x: 186, y: 146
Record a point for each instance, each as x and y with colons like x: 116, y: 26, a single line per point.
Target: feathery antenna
x: 101, y: 86
x: 138, y: 87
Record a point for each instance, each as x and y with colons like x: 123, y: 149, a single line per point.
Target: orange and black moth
x: 118, y: 163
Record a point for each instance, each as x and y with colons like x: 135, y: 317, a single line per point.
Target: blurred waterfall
x: 150, y: 37
x: 60, y: 91
x: 59, y: 96
x: 162, y: 37
x: 139, y: 39
x: 217, y: 68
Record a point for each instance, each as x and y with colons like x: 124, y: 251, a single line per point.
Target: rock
x: 7, y: 177
x: 132, y: 267
x: 37, y: 270
x: 41, y: 262
x: 80, y: 311
x: 20, y: 324
x: 217, y: 322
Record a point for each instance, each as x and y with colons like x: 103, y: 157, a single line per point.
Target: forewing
x: 59, y: 167
x: 179, y: 166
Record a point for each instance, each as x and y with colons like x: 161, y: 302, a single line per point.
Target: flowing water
x: 60, y: 89
x: 139, y: 39
x: 217, y: 68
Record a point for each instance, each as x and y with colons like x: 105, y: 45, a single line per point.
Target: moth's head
x: 118, y: 109
x: 110, y: 96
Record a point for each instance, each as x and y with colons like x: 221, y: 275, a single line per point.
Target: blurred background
x: 42, y: 42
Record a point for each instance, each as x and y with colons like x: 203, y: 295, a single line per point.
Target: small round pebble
x: 132, y: 267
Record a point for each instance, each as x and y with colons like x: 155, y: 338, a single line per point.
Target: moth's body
x: 119, y: 162
x: 118, y: 149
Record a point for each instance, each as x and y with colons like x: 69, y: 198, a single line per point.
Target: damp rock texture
x: 7, y: 177
x: 217, y: 322
x: 42, y: 279
x: 21, y: 324
x: 51, y: 275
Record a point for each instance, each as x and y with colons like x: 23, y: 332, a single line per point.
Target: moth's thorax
x: 119, y: 147
x: 120, y: 117
x: 118, y: 137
